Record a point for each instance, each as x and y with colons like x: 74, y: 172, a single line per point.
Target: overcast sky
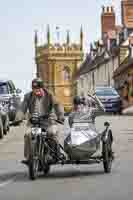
x: 19, y: 19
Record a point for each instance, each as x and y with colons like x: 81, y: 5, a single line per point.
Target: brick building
x: 123, y: 76
x: 108, y: 21
x: 127, y: 15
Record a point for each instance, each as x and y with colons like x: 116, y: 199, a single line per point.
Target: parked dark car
x: 11, y: 96
x: 110, y: 99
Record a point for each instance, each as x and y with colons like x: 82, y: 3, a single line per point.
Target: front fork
x: 42, y: 152
x: 107, y: 138
x: 107, y: 134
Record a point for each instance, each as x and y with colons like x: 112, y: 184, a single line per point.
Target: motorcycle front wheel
x: 33, y: 163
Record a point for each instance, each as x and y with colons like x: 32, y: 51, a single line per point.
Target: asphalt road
x: 70, y: 182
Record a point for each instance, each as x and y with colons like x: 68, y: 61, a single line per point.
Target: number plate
x: 80, y: 126
x: 109, y: 105
x: 36, y: 131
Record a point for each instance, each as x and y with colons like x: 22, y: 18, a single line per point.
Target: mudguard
x: 107, y: 134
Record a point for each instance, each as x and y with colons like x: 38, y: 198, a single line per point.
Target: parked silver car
x: 11, y: 96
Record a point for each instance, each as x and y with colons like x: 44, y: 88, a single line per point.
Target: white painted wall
x: 102, y: 75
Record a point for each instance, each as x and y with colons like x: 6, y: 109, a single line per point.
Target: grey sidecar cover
x: 81, y: 140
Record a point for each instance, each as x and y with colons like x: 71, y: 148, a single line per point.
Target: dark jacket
x: 49, y: 104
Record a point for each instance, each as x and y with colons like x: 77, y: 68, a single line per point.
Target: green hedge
x: 67, y: 109
x: 131, y: 92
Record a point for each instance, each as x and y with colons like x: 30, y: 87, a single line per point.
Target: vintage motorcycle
x: 43, y: 148
x: 80, y: 147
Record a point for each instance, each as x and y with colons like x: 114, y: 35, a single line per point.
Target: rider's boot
x: 59, y: 154
x: 25, y: 162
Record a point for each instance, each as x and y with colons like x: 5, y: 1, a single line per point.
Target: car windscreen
x: 3, y: 88
x: 106, y: 92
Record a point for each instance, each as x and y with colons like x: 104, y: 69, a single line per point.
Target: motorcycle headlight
x: 1, y: 106
x: 11, y: 102
x: 36, y: 131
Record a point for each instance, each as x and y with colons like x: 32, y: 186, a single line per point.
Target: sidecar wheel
x: 107, y: 156
x: 46, y: 169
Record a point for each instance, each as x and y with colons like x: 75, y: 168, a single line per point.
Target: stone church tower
x: 56, y: 65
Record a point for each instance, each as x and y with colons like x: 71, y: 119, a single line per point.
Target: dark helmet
x: 76, y: 100
x: 37, y: 83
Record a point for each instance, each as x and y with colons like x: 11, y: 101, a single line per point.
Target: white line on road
x: 6, y: 183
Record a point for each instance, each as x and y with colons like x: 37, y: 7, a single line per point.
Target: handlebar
x: 58, y: 121
x: 35, y: 115
x: 36, y: 119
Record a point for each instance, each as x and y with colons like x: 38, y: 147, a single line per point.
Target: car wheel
x: 120, y: 112
x: 115, y: 113
x: 6, y: 126
x: 1, y: 129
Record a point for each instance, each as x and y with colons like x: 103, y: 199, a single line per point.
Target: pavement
x: 70, y: 181
x: 128, y: 111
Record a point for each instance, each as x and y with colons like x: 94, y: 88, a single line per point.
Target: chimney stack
x: 108, y: 20
x: 108, y: 9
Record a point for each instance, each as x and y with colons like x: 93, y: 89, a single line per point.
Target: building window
x: 66, y: 73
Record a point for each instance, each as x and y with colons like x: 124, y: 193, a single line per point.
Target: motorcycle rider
x: 40, y: 101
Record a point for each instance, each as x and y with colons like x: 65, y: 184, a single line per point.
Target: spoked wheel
x: 46, y: 165
x: 34, y: 164
x: 33, y: 168
x: 46, y: 169
x: 107, y: 155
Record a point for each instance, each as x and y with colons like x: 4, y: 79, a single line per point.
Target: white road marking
x: 6, y: 183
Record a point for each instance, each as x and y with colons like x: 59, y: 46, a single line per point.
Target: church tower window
x: 66, y: 73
